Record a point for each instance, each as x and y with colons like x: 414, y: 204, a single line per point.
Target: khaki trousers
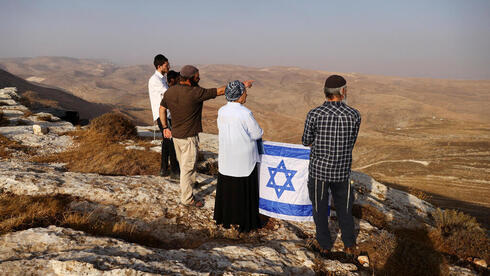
x: 186, y: 150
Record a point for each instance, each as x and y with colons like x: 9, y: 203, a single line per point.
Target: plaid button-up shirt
x: 331, y: 129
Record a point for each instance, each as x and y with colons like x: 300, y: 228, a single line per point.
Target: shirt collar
x: 336, y: 103
x: 158, y: 74
x: 234, y: 104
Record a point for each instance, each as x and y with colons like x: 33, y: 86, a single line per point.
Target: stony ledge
x: 151, y: 203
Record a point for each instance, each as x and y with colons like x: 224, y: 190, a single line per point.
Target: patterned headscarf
x: 234, y: 90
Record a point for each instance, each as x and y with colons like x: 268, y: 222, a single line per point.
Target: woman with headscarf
x: 237, y: 192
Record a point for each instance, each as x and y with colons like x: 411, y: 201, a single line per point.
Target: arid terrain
x: 431, y: 135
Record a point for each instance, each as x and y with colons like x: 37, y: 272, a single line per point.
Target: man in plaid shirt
x: 331, y: 131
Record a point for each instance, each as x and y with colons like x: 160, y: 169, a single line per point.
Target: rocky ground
x: 193, y: 245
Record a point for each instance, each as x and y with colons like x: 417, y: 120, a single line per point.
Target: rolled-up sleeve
x: 309, y: 131
x: 163, y: 103
x: 204, y: 94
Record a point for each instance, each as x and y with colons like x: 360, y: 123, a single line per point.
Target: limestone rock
x: 363, y: 260
x: 480, y: 262
x: 40, y: 130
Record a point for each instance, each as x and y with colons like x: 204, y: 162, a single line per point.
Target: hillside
x: 47, y: 97
x: 59, y: 221
x: 430, y: 135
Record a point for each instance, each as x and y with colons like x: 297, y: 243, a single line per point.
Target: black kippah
x: 335, y: 81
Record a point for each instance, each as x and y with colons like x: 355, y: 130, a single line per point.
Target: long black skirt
x: 237, y: 201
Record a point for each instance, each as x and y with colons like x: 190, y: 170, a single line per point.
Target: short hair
x: 172, y: 75
x: 331, y: 92
x: 159, y: 60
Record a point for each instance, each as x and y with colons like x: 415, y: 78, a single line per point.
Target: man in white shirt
x: 157, y: 86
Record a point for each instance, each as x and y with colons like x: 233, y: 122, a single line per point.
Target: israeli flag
x: 283, y: 178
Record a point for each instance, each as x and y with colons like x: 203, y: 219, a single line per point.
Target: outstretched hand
x: 167, y: 133
x: 248, y: 83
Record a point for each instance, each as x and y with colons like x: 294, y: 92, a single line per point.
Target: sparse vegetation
x: 112, y: 127
x: 99, y: 151
x: 45, y: 117
x: 18, y: 212
x: 419, y: 194
x: 459, y: 234
x: 370, y: 214
x: 405, y: 252
x: 8, y: 147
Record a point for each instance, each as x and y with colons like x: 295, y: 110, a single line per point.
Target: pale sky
x: 437, y: 39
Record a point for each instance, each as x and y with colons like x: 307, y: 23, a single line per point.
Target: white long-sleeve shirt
x: 157, y: 85
x: 238, y: 135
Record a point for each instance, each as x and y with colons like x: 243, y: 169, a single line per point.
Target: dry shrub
x: 419, y: 194
x: 99, y: 151
x: 406, y: 252
x: 370, y: 214
x: 113, y: 127
x: 459, y: 234
x: 45, y: 117
x: 32, y: 100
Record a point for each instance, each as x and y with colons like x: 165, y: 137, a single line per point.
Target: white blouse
x: 238, y: 135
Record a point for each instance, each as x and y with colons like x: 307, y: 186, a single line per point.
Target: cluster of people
x: 330, y: 130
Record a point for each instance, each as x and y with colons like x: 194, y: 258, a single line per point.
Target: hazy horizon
x: 438, y: 39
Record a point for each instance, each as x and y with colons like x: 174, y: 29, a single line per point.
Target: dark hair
x: 159, y: 60
x: 172, y: 75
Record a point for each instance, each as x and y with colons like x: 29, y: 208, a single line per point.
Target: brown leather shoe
x: 195, y: 203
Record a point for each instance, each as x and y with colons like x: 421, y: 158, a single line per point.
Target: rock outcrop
x: 193, y: 244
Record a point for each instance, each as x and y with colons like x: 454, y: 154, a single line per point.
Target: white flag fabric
x: 283, y: 178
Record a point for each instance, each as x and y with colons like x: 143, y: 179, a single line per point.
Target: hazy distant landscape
x: 429, y: 134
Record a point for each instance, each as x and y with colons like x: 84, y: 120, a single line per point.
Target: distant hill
x: 51, y: 97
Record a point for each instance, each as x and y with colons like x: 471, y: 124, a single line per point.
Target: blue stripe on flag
x: 287, y: 152
x: 286, y: 208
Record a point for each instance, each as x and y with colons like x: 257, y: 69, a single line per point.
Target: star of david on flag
x: 283, y: 178
x: 287, y: 186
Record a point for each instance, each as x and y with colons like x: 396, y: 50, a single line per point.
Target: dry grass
x: 99, y: 151
x: 370, y: 214
x: 45, y: 117
x: 419, y: 194
x: 19, y: 212
x: 113, y: 127
x: 8, y: 147
x: 459, y: 234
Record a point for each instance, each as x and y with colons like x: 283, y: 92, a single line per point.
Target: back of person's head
x: 159, y: 60
x: 172, y: 77
x: 333, y: 86
x: 187, y: 72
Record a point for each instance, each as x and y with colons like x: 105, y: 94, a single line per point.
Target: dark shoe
x: 195, y: 203
x: 175, y: 176
x: 164, y: 173
x: 351, y: 250
x: 315, y: 246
